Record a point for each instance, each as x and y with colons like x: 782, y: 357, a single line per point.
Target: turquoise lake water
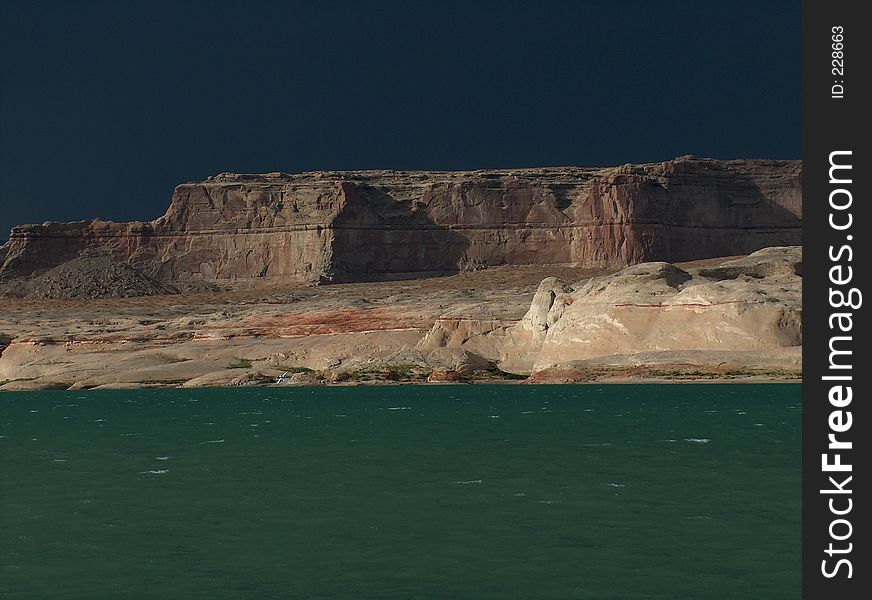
x: 455, y: 492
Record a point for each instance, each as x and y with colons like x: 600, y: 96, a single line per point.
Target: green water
x: 455, y: 492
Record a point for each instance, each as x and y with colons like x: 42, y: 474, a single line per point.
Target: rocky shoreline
x: 731, y: 319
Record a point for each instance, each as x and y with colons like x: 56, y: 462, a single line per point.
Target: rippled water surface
x: 479, y: 492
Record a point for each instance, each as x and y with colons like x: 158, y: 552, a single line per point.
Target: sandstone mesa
x: 433, y: 276
x: 353, y: 226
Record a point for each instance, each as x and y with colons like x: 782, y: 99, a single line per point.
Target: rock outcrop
x: 749, y: 305
x: 354, y: 226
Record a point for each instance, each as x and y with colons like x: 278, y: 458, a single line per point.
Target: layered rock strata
x: 356, y: 226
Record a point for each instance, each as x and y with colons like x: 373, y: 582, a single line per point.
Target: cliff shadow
x: 377, y: 237
x: 738, y: 215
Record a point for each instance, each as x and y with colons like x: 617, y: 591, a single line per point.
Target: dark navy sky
x: 105, y: 106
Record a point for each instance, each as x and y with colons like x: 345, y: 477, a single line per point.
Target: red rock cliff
x: 359, y: 225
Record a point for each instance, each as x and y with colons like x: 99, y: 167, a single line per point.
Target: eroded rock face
x: 352, y: 226
x: 749, y: 305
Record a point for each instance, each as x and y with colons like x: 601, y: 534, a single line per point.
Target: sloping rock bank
x: 723, y: 319
x: 370, y: 225
x: 88, y: 277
